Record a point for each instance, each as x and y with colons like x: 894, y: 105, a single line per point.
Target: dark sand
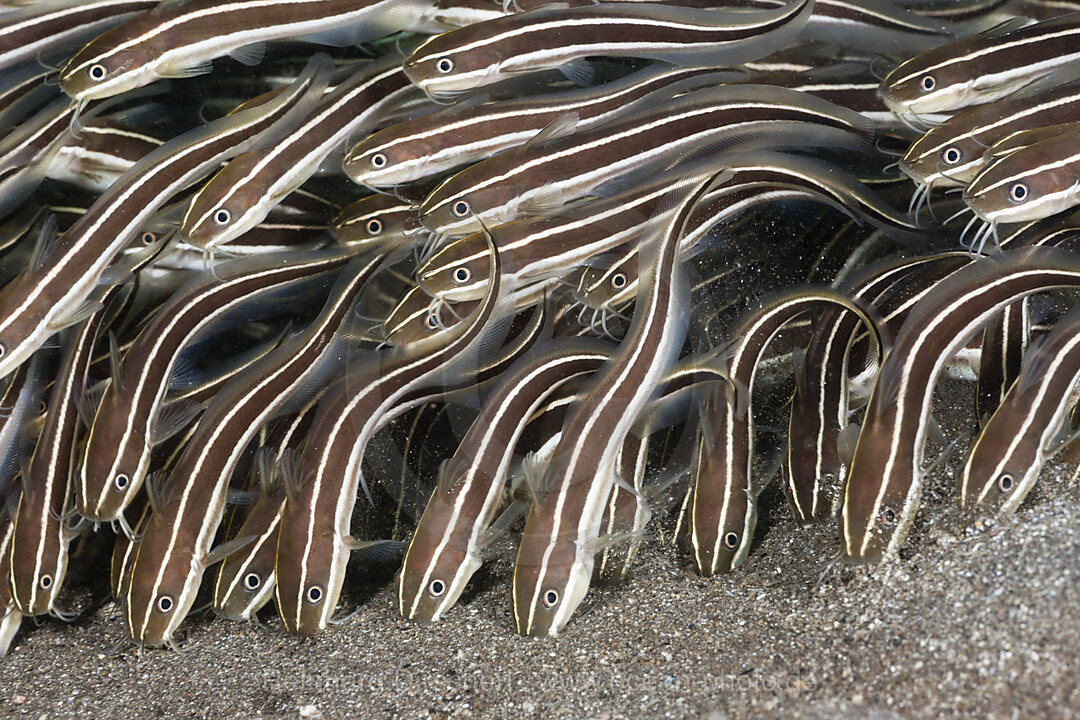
x: 975, y: 620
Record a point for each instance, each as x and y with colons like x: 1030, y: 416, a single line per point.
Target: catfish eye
x: 887, y: 517
x: 951, y: 155
x: 97, y: 72
x: 731, y: 541
x: 436, y: 588
x: 1005, y: 482
x: 3, y: 350
x: 550, y: 598
x: 121, y: 481
x: 148, y: 238
x: 378, y: 160
x: 618, y: 280
x: 928, y: 83
x: 164, y: 604
x: 42, y: 407
x: 252, y: 581
x: 222, y: 216
x: 829, y: 477
x: 45, y: 582
x: 444, y: 65
x: 314, y: 595
x: 462, y: 275
x: 374, y: 226
x: 431, y: 322
x: 460, y: 209
x: 1018, y: 192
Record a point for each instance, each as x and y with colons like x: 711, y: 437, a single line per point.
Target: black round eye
x: 378, y: 160
x: 222, y: 216
x: 314, y: 594
x: 42, y: 407
x: 148, y: 238
x: 45, y: 582
x: 888, y: 517
x: 731, y: 541
x: 1018, y: 193
x: 928, y: 83
x: 618, y: 281
x: 374, y: 226
x: 1005, y: 482
x: 829, y: 477
x: 462, y: 275
x: 951, y: 155
x: 164, y: 604
x: 252, y: 581
x: 436, y: 588
x: 460, y: 209
x: 431, y: 322
x: 550, y: 598
x: 444, y: 65
x: 97, y: 72
x: 121, y: 481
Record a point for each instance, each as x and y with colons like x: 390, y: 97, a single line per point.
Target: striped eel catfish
x: 560, y: 37
x: 433, y: 144
x: 175, y: 549
x: 99, y: 154
x: 984, y: 68
x: 813, y: 469
x: 134, y: 414
x: 951, y: 154
x: 28, y: 32
x: 373, y: 221
x: 10, y: 617
x: 25, y: 152
x: 445, y: 548
x: 1005, y: 460
x: 58, y: 291
x: 246, y: 578
x: 545, y: 176
x: 314, y: 538
x: 1031, y: 183
x: 555, y: 559
x: 39, y: 543
x: 886, y: 475
x: 722, y: 510
x: 179, y: 39
x: 242, y: 193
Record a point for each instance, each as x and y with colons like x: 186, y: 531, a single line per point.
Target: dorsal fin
x: 559, y: 127
x: 45, y: 241
x: 114, y: 359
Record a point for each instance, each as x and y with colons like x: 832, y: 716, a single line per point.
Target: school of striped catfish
x: 289, y: 291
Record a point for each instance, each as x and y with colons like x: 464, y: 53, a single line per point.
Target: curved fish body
x: 722, y: 510
x: 540, y: 178
x: 1015, y: 443
x: 555, y: 560
x: 952, y: 153
x: 434, y: 144
x: 20, y: 405
x: 984, y: 68
x: 241, y: 194
x: 1031, y: 183
x: 58, y: 291
x: 134, y: 415
x: 314, y: 538
x: 180, y: 39
x: 96, y: 157
x: 813, y: 468
x: 558, y: 37
x: 445, y: 548
x: 886, y: 475
x: 175, y: 549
